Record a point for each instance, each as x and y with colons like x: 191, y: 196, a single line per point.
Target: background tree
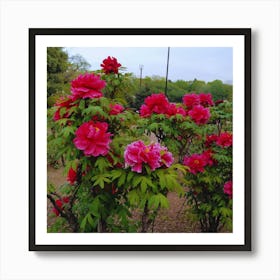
x: 57, y: 65
x: 61, y: 69
x: 219, y: 90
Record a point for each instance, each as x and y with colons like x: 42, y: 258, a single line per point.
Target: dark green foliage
x: 61, y: 69
x: 177, y: 89
x: 57, y: 65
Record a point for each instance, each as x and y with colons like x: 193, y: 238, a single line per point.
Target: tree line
x: 62, y: 68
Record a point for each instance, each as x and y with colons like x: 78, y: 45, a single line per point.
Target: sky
x: 202, y: 63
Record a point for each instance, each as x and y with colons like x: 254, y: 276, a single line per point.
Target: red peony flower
x: 66, y: 103
x: 145, y: 111
x: 59, y: 204
x: 72, y: 176
x: 228, y: 188
x: 110, y: 65
x: 137, y: 153
x: 205, y: 99
x: 157, y: 103
x: 173, y: 110
x: 93, y: 138
x: 208, y: 157
x: 190, y: 100
x: 224, y: 140
x: 210, y: 139
x: 66, y: 199
x: 199, y: 114
x: 98, y: 118
x: 116, y: 109
x: 195, y: 162
x: 87, y: 86
x: 55, y: 211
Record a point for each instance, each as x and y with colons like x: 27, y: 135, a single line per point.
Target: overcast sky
x: 203, y: 63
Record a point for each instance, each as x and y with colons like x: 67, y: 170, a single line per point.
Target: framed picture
x: 140, y: 139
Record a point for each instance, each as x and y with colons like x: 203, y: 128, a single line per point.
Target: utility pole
x: 167, y: 66
x: 141, y: 69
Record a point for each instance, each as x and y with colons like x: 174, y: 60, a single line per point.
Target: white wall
x: 16, y: 262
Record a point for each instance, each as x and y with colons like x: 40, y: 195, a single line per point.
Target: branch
x: 62, y: 214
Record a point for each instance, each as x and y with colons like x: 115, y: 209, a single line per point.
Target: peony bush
x: 120, y: 163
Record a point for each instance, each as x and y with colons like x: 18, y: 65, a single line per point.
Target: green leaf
x: 180, y: 167
x: 133, y: 197
x: 143, y: 185
x: 153, y: 202
x: 137, y: 180
x: 51, y: 188
x: 130, y: 176
x: 164, y: 203
x: 102, y: 163
x: 226, y: 212
x: 68, y: 131
x: 101, y: 179
x: 94, y: 111
x: 83, y: 223
x: 158, y: 200
x: 163, y: 182
x: 82, y: 104
x: 122, y: 180
x: 90, y: 220
x: 116, y: 174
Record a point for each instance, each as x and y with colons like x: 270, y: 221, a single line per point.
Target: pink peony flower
x: 199, y: 114
x: 151, y: 156
x: 93, y: 138
x: 116, y: 109
x: 145, y: 111
x: 205, y: 99
x: 173, y: 110
x: 157, y: 103
x: 154, y: 155
x: 190, y: 100
x: 228, y: 188
x: 110, y: 65
x: 195, y: 162
x: 133, y: 155
x: 224, y: 140
x: 166, y: 157
x: 87, y: 86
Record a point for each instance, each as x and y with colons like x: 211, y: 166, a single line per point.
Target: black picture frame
x: 35, y: 32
